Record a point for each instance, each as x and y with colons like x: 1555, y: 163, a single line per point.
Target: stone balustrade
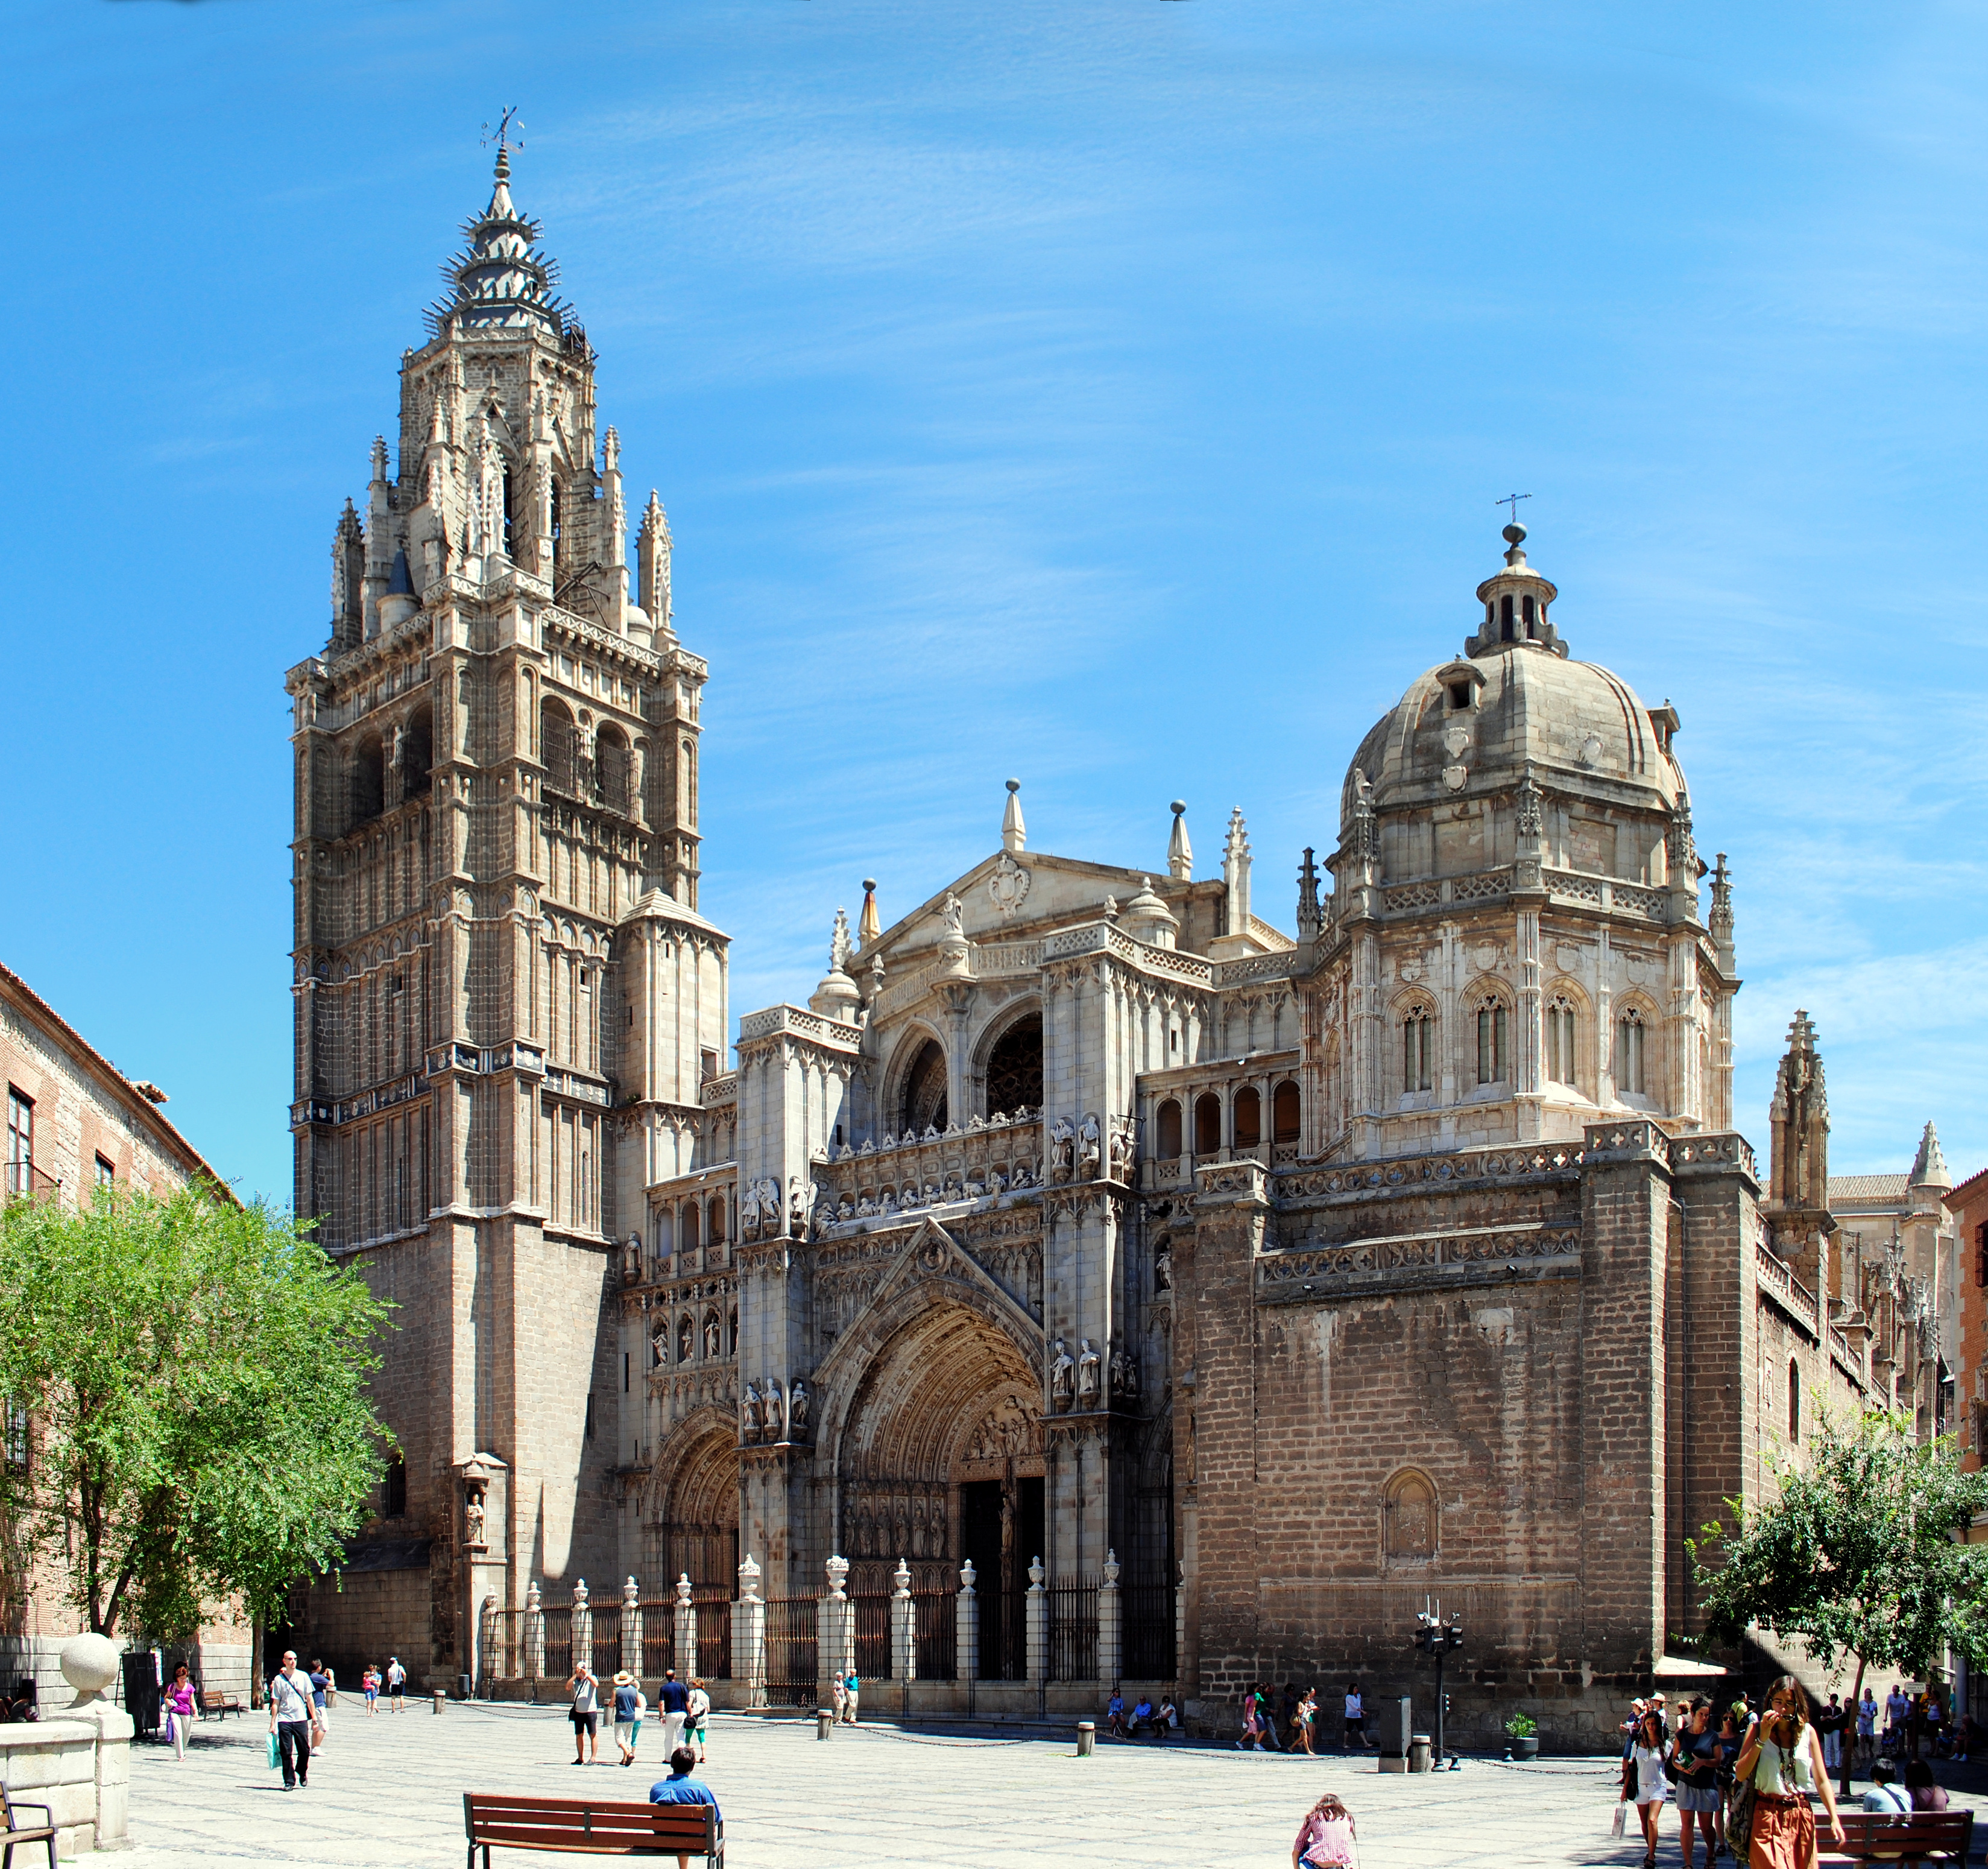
x: 982, y: 1160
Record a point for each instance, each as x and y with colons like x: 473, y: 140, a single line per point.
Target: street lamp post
x: 1434, y: 1637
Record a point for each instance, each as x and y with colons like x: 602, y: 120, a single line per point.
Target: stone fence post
x: 904, y: 1629
x: 749, y: 1637
x: 532, y: 1642
x: 835, y: 1633
x: 582, y: 1626
x: 686, y: 1630
x: 1037, y: 1603
x: 1111, y: 1623
x: 966, y: 1628
x: 631, y: 1629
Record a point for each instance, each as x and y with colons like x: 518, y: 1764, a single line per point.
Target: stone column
x: 89, y: 1665
x: 1037, y: 1603
x: 835, y: 1632
x: 532, y: 1638
x: 749, y: 1637
x: 686, y: 1629
x: 631, y: 1629
x: 903, y: 1631
x: 966, y: 1628
x: 1110, y: 1625
x: 582, y: 1626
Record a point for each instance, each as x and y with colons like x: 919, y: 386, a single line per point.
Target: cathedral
x: 1084, y: 1234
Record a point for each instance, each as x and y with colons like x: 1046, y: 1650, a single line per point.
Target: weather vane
x: 1510, y: 499
x: 507, y: 121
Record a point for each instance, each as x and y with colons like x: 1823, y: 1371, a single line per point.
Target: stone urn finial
x: 1036, y: 1574
x: 683, y: 1590
x: 89, y: 1665
x: 902, y: 1576
x: 1112, y: 1567
x: 534, y: 1602
x: 749, y: 1580
x: 631, y: 1597
x: 967, y: 1574
x: 580, y: 1593
x: 838, y: 1574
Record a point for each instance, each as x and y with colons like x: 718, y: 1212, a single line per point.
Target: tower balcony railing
x: 990, y: 1156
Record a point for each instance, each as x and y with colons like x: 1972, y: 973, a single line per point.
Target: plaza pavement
x: 388, y: 1791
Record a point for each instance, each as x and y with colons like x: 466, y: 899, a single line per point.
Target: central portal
x: 1000, y: 1531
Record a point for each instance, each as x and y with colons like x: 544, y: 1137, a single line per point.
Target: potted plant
x: 1525, y: 1736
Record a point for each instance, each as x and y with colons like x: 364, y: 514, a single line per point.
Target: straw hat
x: 624, y: 1679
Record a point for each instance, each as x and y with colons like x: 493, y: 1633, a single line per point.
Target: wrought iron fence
x: 556, y: 1663
x: 791, y: 1647
x: 1146, y: 1612
x: 606, y: 1658
x: 714, y: 1635
x: 873, y: 1638
x: 1004, y: 1635
x: 659, y: 1636
x: 1073, y: 1629
x: 935, y: 1628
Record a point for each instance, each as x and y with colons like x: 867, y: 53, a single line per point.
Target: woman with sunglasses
x: 1783, y: 1761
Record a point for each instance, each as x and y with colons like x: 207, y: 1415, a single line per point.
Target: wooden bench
x: 16, y: 1833
x: 590, y: 1827
x: 214, y: 1704
x: 1884, y: 1835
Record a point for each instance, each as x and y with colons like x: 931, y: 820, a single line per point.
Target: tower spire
x: 500, y: 278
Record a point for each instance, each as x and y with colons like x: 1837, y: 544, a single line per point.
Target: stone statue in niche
x: 1063, y: 1379
x: 748, y: 1414
x: 472, y: 1520
x: 1087, y: 1372
x: 952, y: 916
x: 659, y: 1346
x: 1124, y: 1376
x: 631, y: 1260
x: 797, y: 1407
x: 796, y: 1208
x: 1163, y: 1271
x: 713, y: 1338
x: 772, y: 1411
x: 1088, y: 1155
x: 1062, y: 1143
x: 1121, y: 1152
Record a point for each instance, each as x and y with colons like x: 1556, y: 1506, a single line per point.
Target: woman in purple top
x: 179, y: 1710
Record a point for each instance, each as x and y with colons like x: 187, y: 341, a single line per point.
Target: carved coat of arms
x: 1007, y: 885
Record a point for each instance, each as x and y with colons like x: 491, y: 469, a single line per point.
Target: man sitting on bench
x: 681, y: 1788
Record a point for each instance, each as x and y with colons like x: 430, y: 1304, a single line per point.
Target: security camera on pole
x: 1433, y: 1636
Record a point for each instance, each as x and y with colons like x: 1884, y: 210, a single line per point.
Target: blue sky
x: 1110, y: 393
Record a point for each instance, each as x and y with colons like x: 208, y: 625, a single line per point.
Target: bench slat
x: 580, y: 1826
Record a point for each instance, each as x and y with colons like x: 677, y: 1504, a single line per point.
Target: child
x: 1326, y: 1839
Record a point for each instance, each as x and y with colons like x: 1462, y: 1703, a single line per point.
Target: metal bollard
x: 824, y: 1722
x: 1418, y: 1752
x: 1087, y: 1737
x: 440, y: 1697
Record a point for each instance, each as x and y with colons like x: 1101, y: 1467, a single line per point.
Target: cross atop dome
x: 1515, y: 602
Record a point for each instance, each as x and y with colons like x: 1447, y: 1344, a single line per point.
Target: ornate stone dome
x: 1515, y: 701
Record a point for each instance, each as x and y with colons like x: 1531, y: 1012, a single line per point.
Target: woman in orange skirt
x: 1783, y: 1759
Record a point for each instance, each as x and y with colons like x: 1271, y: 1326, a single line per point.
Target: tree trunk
x: 1846, y: 1750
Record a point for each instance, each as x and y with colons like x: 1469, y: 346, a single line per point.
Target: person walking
x: 290, y: 1710
x: 1354, y: 1733
x: 1829, y: 1721
x: 1266, y: 1717
x: 681, y: 1788
x: 1252, y: 1740
x: 1784, y: 1762
x: 854, y: 1689
x: 627, y: 1697
x: 1308, y: 1721
x: 1867, y: 1727
x: 586, y: 1713
x: 697, y: 1718
x: 320, y: 1688
x: 839, y: 1699
x: 673, y: 1702
x: 1898, y: 1710
x: 368, y: 1685
x: 1646, y: 1760
x: 1695, y: 1760
x: 397, y: 1685
x: 180, y: 1710
x: 1326, y: 1839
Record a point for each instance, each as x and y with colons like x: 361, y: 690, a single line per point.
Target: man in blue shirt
x: 681, y: 1788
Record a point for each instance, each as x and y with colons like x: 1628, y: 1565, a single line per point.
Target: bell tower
x: 495, y: 794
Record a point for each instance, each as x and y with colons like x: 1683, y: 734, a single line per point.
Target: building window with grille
x: 1629, y: 1036
x: 1794, y: 1402
x: 394, y: 1502
x: 1493, y: 1041
x: 1560, y: 1042
x: 20, y: 1142
x: 1416, y: 1050
x: 107, y: 1173
x: 16, y: 1433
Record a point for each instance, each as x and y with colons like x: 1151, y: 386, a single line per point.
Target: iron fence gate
x: 873, y: 1638
x: 713, y: 1635
x: 935, y: 1628
x: 1147, y: 1613
x: 790, y: 1651
x: 1074, y: 1629
x: 557, y: 1662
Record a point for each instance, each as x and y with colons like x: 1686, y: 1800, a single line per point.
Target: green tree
x: 195, y: 1375
x: 1858, y: 1554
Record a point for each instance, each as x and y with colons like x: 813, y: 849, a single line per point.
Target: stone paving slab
x: 388, y: 1791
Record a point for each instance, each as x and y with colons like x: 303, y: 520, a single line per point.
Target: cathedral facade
x: 1083, y: 1225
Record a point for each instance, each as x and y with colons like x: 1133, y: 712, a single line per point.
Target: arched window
x: 1286, y: 1111
x: 1168, y: 1123
x: 714, y: 1230
x: 1794, y: 1401
x: 1559, y: 1041
x: 1416, y: 1050
x: 731, y: 1333
x: 924, y: 1098
x: 559, y: 747
x: 1409, y: 1517
x: 1532, y: 627
x: 1505, y: 632
x: 1207, y: 1124
x: 416, y: 754
x: 369, y: 781
x: 1493, y: 1041
x: 612, y: 767
x: 690, y: 1234
x: 510, y: 516
x: 1629, y: 1036
x: 1015, y: 1068
x: 1248, y: 1118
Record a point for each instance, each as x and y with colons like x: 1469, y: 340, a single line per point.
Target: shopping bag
x: 1616, y: 1827
x: 275, y: 1753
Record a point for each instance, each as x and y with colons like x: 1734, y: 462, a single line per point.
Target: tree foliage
x: 195, y: 1374
x: 1858, y: 1555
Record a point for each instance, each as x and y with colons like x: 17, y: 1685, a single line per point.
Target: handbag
x: 1618, y: 1824
x: 1740, y: 1821
x: 275, y: 1752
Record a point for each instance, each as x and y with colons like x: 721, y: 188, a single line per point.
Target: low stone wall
x: 64, y: 1765
x: 979, y: 1700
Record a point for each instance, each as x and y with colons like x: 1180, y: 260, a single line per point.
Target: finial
x: 1180, y: 852
x: 507, y: 121
x: 870, y: 924
x: 1014, y: 833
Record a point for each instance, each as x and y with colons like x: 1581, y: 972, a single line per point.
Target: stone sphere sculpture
x: 89, y: 1664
